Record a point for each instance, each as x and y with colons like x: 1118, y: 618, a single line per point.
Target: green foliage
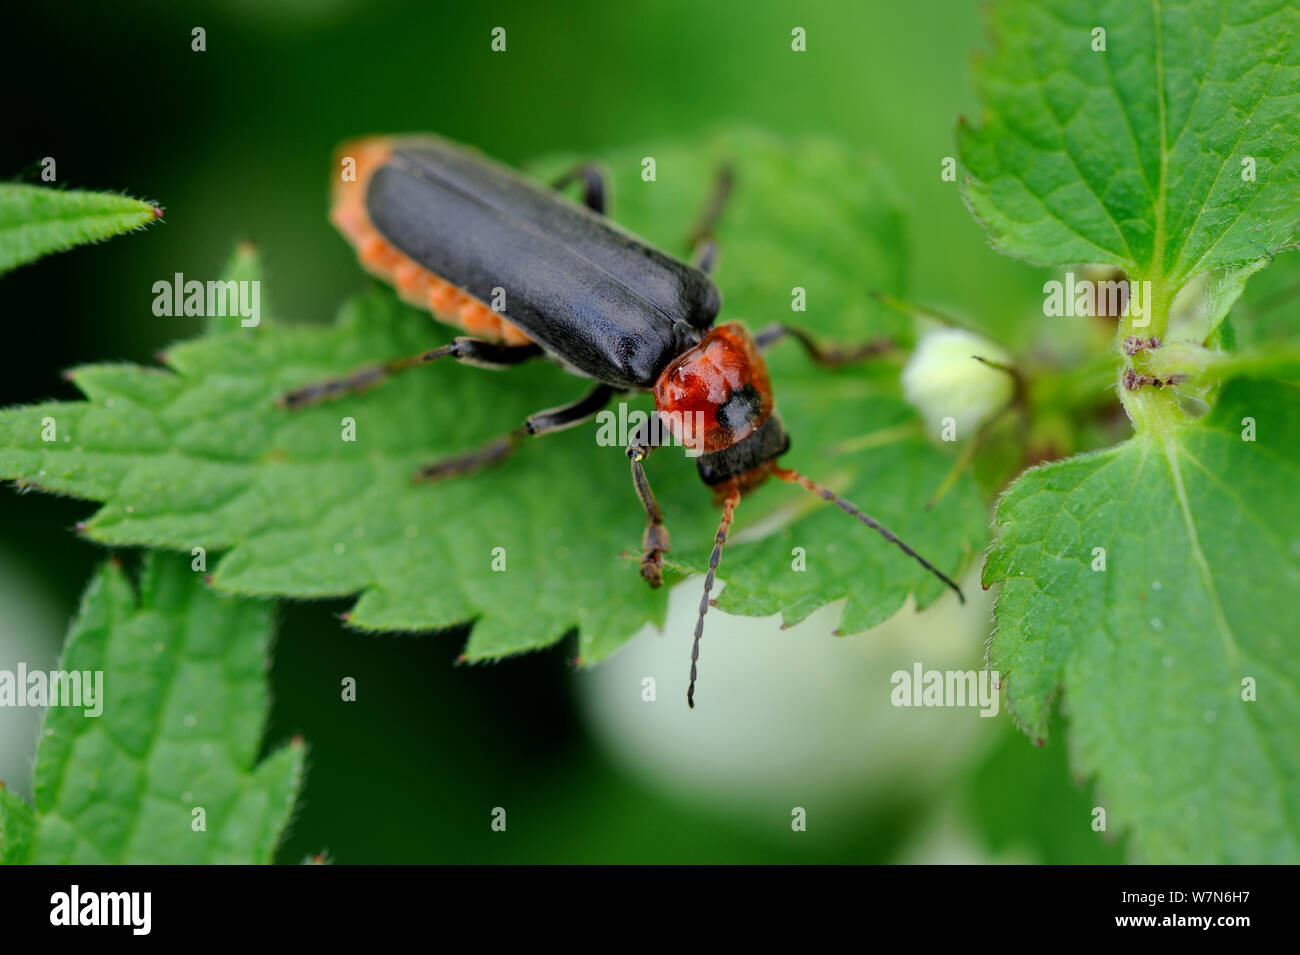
x: 184, y: 703
x: 1144, y: 585
x: 37, y: 220
x: 1202, y: 556
x: 1133, y: 157
x: 201, y: 456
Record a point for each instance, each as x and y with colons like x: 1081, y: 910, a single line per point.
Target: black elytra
x: 607, y: 303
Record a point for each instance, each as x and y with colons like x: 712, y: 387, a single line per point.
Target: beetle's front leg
x: 654, y: 543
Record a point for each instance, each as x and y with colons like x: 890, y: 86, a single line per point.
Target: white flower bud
x: 943, y: 380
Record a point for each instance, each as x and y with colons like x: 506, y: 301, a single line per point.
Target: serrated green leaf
x: 17, y: 828
x: 1140, y: 156
x: 184, y: 703
x: 1133, y: 156
x: 1201, y: 539
x: 202, y: 457
x: 37, y: 220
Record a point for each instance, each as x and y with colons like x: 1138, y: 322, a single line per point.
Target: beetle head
x: 716, y: 399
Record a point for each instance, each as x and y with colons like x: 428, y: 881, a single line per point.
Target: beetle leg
x: 701, y: 240
x: 472, y: 351
x: 830, y: 356
x: 498, y: 449
x: 705, y: 256
x: 654, y: 543
x: 595, y: 192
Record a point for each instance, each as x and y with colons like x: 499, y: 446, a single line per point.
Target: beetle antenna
x: 728, y: 510
x: 794, y: 477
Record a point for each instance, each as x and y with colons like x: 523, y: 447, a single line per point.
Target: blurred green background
x: 236, y: 141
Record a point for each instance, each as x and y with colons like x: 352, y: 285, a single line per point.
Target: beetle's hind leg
x: 498, y: 449
x: 595, y: 186
x: 473, y: 351
x: 828, y: 356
